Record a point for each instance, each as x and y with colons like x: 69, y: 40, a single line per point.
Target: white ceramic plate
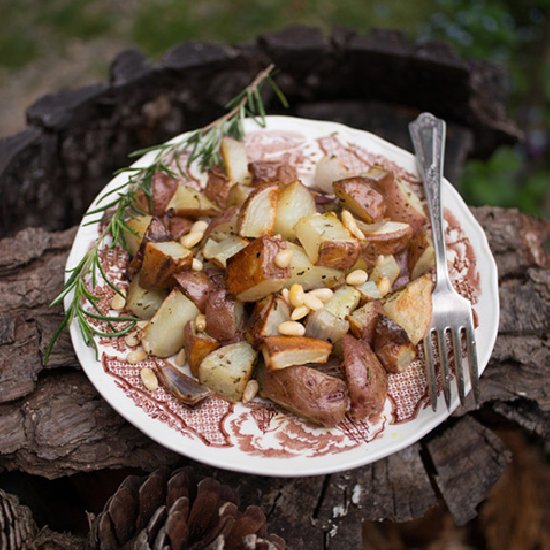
x: 259, y: 438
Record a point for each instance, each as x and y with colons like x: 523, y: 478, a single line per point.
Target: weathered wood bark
x: 48, y: 430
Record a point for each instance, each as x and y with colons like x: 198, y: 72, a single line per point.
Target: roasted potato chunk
x: 252, y: 273
x: 327, y: 171
x: 219, y: 252
x: 421, y: 254
x: 366, y: 380
x: 326, y: 241
x: 284, y: 351
x: 223, y: 226
x: 161, y: 261
x: 227, y: 370
x: 257, y: 215
x: 138, y: 226
x: 143, y: 302
x: 224, y: 316
x: 163, y: 188
x: 178, y: 227
x: 363, y: 321
x: 304, y: 273
x: 268, y: 314
x: 385, y: 238
x: 385, y: 273
x: 190, y: 203
x: 411, y: 307
x: 197, y: 346
x: 235, y: 160
x: 238, y: 194
x: 271, y: 171
x: 344, y: 300
x: 164, y: 335
x: 306, y: 392
x: 196, y: 285
x: 402, y: 204
x: 392, y: 345
x: 360, y: 197
x: 295, y: 202
x: 324, y: 325
x: 217, y: 188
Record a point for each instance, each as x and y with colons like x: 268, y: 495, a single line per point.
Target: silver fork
x: 451, y: 312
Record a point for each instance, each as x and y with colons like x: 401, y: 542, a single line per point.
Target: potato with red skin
x: 402, y: 203
x: 197, y: 286
x: 218, y: 187
x: 258, y: 213
x: 156, y: 232
x: 392, y: 345
x: 363, y: 321
x: 306, y: 392
x: 366, y: 379
x: 224, y: 316
x: 361, y: 198
x: 197, y: 346
x: 252, y: 273
x: 421, y: 254
x: 160, y: 262
x: 386, y: 238
x: 283, y: 351
x: 223, y: 226
x: 178, y: 226
x: 275, y: 171
x: 163, y: 188
x: 268, y: 314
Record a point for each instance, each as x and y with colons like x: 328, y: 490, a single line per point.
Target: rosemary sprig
x: 122, y: 204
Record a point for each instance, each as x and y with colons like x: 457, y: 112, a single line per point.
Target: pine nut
x: 299, y: 313
x: 296, y: 295
x: 180, y: 359
x: 191, y: 239
x: 136, y: 356
x: 312, y: 302
x: 380, y: 260
x: 284, y: 293
x: 357, y: 277
x: 118, y: 302
x: 250, y: 391
x: 132, y: 339
x: 351, y: 225
x: 199, y: 227
x: 200, y: 322
x: 196, y: 265
x: 324, y: 294
x: 291, y: 328
x: 283, y: 258
x: 142, y: 324
x: 384, y: 285
x: 149, y: 378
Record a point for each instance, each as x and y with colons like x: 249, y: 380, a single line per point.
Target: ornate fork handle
x: 428, y: 135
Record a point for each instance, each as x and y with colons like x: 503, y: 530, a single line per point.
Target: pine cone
x: 17, y: 526
x: 174, y: 512
x: 18, y: 531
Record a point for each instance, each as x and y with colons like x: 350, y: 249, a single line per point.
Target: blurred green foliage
x: 514, y: 34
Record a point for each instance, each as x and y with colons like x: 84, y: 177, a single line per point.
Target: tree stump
x: 52, y: 421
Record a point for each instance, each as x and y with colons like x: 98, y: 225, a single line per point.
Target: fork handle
x: 428, y: 137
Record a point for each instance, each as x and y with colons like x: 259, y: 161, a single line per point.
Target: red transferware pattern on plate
x: 261, y: 428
